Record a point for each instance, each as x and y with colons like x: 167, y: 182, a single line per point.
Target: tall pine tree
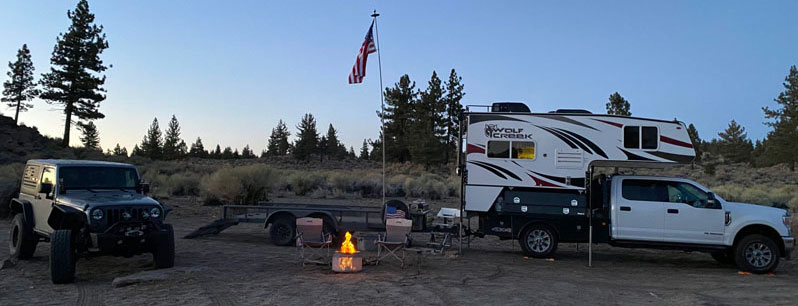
x: 20, y: 88
x: 335, y: 149
x: 73, y: 80
x: 428, y: 145
x: 454, y: 93
x: 734, y: 143
x: 782, y: 142
x: 278, y: 141
x: 618, y: 105
x: 119, y: 151
x: 173, y: 146
x: 307, y: 138
x: 364, y: 150
x: 399, y: 104
x: 91, y: 137
x: 695, y: 139
x: 152, y: 144
x: 197, y: 149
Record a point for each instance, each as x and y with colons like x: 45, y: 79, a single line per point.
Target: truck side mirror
x: 711, y: 201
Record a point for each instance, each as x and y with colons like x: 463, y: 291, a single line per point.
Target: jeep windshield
x: 98, y: 177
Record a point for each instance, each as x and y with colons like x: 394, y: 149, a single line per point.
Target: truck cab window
x: 499, y: 149
x: 631, y: 137
x: 523, y: 150
x: 644, y: 190
x: 685, y: 193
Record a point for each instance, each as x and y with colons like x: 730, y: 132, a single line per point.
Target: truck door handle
x: 673, y: 211
x: 626, y: 208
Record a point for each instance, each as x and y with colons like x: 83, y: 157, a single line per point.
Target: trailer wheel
x: 283, y: 230
x: 538, y: 241
x: 757, y: 254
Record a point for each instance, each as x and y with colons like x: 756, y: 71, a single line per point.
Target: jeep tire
x: 163, y: 254
x: 22, y: 241
x: 62, y: 257
x: 756, y: 254
x: 538, y: 241
x: 283, y: 231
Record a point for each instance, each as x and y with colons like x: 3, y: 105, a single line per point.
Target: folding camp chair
x: 309, y: 235
x: 397, y: 232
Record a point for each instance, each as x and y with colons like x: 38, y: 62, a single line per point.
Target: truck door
x: 689, y: 218
x: 43, y: 203
x: 638, y: 210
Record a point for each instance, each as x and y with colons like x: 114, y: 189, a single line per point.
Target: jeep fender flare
x: 66, y: 217
x: 25, y: 208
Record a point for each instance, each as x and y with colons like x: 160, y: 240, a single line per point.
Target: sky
x: 229, y: 70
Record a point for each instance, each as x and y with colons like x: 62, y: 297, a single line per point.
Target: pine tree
x: 73, y: 81
x: 152, y: 144
x: 20, y: 88
x: 246, y: 152
x: 307, y: 138
x: 454, y: 93
x: 376, y: 149
x: 278, y: 140
x: 235, y: 154
x: 172, y: 148
x: 119, y: 151
x: 217, y: 154
x: 136, y: 151
x: 782, y: 142
x: 429, y: 127
x: 90, y: 138
x: 735, y: 144
x: 334, y: 147
x: 227, y: 153
x: 197, y: 149
x: 399, y: 105
x: 351, y: 153
x: 364, y: 150
x: 695, y: 139
x: 618, y: 105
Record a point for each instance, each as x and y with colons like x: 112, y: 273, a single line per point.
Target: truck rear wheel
x: 22, y: 242
x: 283, y: 231
x: 538, y: 241
x: 756, y: 254
x: 62, y: 257
x: 164, y: 253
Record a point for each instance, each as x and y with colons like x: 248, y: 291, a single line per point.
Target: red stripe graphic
x: 540, y: 182
x: 610, y: 123
x: 675, y: 142
x: 474, y: 149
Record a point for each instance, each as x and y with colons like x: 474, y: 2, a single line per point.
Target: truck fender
x: 25, y: 208
x: 761, y: 229
x: 533, y: 222
x: 66, y: 217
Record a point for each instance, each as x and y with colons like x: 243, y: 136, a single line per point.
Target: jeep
x: 86, y: 209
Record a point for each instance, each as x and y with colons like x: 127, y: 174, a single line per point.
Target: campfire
x: 347, y: 259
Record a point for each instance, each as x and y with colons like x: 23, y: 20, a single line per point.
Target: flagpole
x: 382, y: 102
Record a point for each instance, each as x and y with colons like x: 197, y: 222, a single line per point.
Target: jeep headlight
x: 155, y: 212
x: 97, y: 214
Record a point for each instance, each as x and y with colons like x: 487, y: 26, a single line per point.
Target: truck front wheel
x: 756, y: 254
x: 538, y: 241
x: 62, y: 257
x: 22, y: 242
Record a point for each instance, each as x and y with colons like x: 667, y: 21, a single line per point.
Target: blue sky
x: 229, y: 71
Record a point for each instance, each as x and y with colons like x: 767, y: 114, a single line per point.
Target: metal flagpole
x: 382, y: 103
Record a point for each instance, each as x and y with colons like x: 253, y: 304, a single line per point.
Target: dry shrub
x: 760, y: 194
x: 301, y: 183
x: 10, y: 176
x: 245, y: 184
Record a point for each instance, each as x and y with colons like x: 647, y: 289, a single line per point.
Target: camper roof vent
x: 509, y: 107
x: 570, y: 111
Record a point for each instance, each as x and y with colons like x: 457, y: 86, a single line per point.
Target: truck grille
x: 115, y: 214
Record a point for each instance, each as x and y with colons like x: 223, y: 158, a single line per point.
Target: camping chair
x: 397, y: 232
x: 309, y: 235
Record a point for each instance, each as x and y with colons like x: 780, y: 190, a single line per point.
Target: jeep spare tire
x: 62, y: 257
x: 163, y: 255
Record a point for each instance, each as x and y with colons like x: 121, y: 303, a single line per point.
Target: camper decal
x: 494, y: 131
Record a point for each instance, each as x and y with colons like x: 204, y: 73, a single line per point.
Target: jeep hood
x: 84, y: 198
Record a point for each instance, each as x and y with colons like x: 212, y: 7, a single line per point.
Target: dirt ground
x: 241, y: 267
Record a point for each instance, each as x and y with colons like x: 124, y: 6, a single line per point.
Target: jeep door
x: 690, y: 217
x: 638, y: 210
x: 43, y: 202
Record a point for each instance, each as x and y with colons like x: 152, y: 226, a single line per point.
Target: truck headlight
x: 787, y: 219
x: 155, y: 213
x: 97, y: 214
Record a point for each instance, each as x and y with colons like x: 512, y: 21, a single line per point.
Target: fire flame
x: 348, y: 247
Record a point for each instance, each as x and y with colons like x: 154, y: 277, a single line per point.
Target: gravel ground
x: 241, y: 267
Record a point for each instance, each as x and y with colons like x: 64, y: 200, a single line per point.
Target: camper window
x: 649, y: 139
x: 523, y: 150
x: 631, y: 137
x: 499, y: 149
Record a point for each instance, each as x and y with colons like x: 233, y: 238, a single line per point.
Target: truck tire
x: 283, y: 231
x: 723, y: 257
x: 62, y: 257
x: 538, y: 241
x: 163, y: 255
x: 22, y: 241
x: 756, y: 254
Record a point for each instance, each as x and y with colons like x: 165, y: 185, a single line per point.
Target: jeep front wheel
x: 164, y: 253
x: 757, y: 254
x: 22, y: 242
x: 62, y: 257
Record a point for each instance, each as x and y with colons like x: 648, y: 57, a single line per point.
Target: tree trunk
x: 16, y: 116
x: 67, y: 125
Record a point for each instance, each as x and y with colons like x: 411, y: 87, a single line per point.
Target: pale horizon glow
x: 230, y: 71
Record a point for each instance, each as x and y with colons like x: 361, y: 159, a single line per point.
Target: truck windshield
x: 98, y: 177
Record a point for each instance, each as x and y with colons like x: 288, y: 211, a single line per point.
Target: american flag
x: 394, y: 213
x: 359, y: 70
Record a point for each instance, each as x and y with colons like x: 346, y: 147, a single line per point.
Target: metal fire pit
x: 347, y: 262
